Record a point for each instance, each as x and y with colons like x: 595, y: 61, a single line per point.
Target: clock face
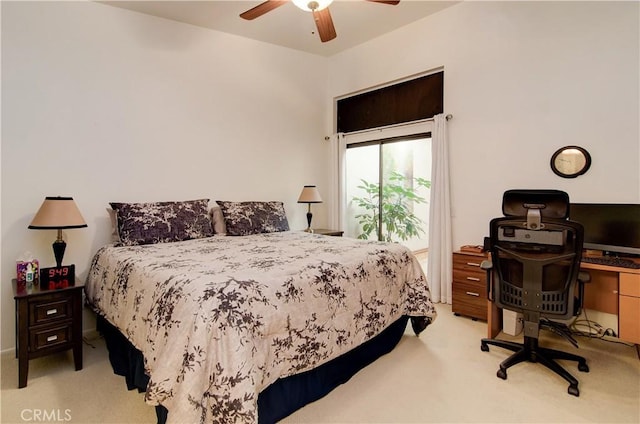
x: 57, y: 277
x: 570, y: 161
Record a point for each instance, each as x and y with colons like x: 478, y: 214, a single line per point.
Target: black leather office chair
x: 535, y: 270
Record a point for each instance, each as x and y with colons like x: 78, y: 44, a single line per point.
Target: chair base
x: 531, y: 352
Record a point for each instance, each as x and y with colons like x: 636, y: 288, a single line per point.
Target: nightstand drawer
x: 50, y: 310
x: 48, y: 337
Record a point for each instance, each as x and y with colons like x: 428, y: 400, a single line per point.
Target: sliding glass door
x: 387, y: 190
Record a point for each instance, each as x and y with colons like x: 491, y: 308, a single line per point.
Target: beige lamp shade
x: 57, y: 213
x: 310, y: 194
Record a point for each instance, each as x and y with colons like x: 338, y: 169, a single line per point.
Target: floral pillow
x: 245, y: 218
x: 162, y: 222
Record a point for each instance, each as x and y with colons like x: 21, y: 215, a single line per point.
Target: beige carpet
x: 440, y: 377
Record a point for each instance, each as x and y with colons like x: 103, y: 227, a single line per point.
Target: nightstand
x: 325, y: 232
x: 47, y: 321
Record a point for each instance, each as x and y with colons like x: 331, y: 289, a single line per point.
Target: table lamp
x: 309, y: 195
x: 58, y: 213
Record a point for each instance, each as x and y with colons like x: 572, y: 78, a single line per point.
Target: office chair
x: 535, y: 270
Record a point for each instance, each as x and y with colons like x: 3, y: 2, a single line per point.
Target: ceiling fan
x: 319, y: 9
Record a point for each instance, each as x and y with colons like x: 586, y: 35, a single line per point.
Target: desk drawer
x: 630, y: 284
x: 629, y: 319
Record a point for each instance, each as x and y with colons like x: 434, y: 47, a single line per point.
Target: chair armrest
x: 584, y: 276
x: 487, y: 265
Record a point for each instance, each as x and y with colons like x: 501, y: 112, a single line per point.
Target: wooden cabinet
x: 629, y: 304
x: 47, y: 321
x: 469, y: 287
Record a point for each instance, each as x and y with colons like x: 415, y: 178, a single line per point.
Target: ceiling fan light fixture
x: 313, y: 5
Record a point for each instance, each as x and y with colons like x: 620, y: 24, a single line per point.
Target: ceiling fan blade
x: 261, y: 9
x: 324, y: 23
x: 393, y: 3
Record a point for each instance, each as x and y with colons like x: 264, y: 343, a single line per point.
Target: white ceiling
x: 356, y: 21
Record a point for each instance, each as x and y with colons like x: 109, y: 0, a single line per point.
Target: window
x: 387, y: 186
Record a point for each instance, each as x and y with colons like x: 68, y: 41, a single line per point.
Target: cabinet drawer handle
x: 52, y: 311
x: 473, y: 264
x: 52, y: 338
x: 473, y: 294
x: 473, y: 279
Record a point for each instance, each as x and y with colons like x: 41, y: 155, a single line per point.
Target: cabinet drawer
x: 469, y: 298
x: 470, y: 276
x: 469, y: 263
x: 630, y: 284
x: 629, y: 319
x: 48, y: 337
x: 49, y: 310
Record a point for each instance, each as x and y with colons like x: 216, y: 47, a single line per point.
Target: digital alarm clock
x: 58, y: 277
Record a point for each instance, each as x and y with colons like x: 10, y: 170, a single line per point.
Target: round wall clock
x: 570, y: 161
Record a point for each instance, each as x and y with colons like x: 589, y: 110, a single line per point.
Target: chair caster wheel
x: 484, y: 347
x: 502, y: 374
x: 583, y: 367
x: 573, y: 390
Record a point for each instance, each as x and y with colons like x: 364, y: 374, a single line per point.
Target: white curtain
x: 439, y: 268
x: 337, y: 170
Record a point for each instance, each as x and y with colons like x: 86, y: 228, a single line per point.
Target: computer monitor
x: 613, y: 228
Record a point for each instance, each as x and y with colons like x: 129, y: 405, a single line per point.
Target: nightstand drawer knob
x: 473, y: 279
x: 52, y: 311
x: 52, y: 338
x: 473, y: 294
x: 473, y: 264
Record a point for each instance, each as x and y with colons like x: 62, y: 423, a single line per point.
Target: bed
x: 223, y: 324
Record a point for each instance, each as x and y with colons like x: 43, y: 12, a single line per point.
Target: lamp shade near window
x: 58, y: 213
x: 309, y: 195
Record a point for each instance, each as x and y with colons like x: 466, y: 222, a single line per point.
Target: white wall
x: 104, y: 104
x: 522, y: 79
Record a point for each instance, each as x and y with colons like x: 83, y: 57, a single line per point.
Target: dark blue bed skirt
x: 284, y: 396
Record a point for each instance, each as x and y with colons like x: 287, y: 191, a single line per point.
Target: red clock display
x: 57, y: 277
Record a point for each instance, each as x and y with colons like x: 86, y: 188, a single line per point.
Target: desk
x: 613, y: 290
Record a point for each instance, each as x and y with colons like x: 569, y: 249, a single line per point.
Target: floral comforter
x: 218, y: 319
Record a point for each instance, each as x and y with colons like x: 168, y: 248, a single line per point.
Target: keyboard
x: 611, y: 261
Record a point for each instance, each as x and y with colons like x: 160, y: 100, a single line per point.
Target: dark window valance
x: 412, y: 100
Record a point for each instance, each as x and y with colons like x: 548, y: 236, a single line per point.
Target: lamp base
x: 59, y: 247
x: 309, y: 216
